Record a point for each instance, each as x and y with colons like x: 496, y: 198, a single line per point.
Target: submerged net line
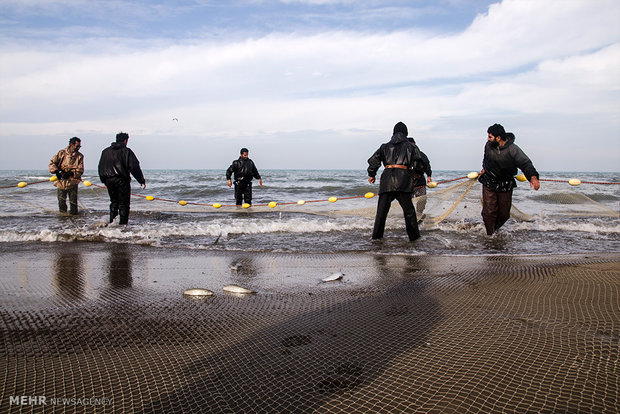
x: 28, y: 204
x: 454, y: 203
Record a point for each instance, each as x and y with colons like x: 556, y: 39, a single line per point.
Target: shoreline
x: 8, y: 247
x: 275, y: 272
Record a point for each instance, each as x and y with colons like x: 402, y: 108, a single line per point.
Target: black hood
x: 510, y: 139
x: 400, y: 127
x: 398, y: 137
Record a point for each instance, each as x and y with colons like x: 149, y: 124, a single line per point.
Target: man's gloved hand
x: 67, y: 174
x: 59, y: 174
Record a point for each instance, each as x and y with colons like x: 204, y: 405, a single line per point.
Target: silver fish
x: 333, y: 277
x: 237, y: 289
x: 198, y: 292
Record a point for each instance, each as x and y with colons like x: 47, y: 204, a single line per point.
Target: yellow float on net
x: 245, y: 205
x: 217, y: 205
x: 369, y: 195
x: 432, y: 184
x: 521, y: 177
x: 87, y: 183
x: 182, y: 202
x: 150, y: 198
x: 333, y: 199
x: 472, y: 175
x: 574, y: 181
x: 273, y: 204
x: 301, y: 202
x: 53, y: 178
x: 22, y: 184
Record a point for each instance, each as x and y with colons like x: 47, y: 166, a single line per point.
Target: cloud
x: 317, y: 2
x: 520, y: 60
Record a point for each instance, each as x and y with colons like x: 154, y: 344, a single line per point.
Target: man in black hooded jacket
x: 116, y: 164
x: 244, y: 170
x: 499, y: 166
x: 398, y: 156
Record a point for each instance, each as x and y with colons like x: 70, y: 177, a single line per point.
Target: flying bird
x: 175, y: 119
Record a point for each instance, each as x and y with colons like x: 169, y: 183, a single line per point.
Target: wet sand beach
x: 103, y: 327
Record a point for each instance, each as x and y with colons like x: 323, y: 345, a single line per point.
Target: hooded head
x: 402, y: 128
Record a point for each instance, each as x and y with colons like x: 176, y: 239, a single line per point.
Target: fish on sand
x: 333, y: 277
x: 237, y: 289
x: 198, y: 292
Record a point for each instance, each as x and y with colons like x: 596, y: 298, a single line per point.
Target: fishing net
x: 399, y: 334
x: 574, y: 204
x: 463, y: 202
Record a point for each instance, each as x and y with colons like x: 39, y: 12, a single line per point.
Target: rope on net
x: 576, y: 181
x: 451, y: 209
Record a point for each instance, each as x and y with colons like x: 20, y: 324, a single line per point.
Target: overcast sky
x: 310, y: 83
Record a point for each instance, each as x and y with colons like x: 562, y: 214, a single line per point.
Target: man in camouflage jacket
x: 68, y: 165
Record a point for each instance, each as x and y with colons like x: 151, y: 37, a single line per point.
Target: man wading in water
x: 499, y: 166
x: 116, y: 166
x: 398, y: 156
x: 68, y: 165
x: 244, y: 170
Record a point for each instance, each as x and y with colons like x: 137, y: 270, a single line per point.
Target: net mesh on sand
x: 429, y: 334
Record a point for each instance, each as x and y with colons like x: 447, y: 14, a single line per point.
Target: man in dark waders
x: 499, y: 166
x: 115, y: 166
x: 398, y: 157
x: 244, y: 170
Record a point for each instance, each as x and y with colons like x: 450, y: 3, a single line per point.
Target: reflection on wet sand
x: 120, y: 267
x: 68, y: 278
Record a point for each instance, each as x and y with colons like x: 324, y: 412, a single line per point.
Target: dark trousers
x: 243, y: 192
x: 383, y: 208
x: 495, y: 208
x: 72, y: 192
x: 119, y: 190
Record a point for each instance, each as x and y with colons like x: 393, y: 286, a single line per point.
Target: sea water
x: 561, y: 221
